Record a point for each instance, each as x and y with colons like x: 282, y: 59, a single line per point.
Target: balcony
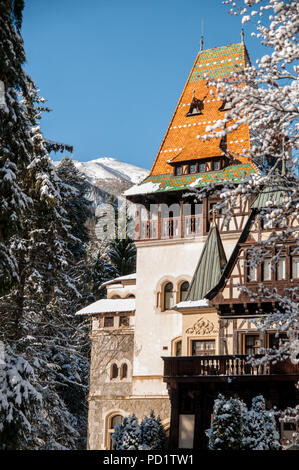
x: 222, y: 367
x: 169, y: 228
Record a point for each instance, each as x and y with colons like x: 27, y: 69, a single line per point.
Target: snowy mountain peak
x: 111, y: 168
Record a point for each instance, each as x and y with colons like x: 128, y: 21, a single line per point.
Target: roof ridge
x: 222, y: 47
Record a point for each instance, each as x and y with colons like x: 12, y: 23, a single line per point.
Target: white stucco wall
x: 121, y: 289
x: 155, y: 329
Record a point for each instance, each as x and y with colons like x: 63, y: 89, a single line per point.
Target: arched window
x: 176, y: 347
x: 124, y: 371
x: 130, y: 296
x: 169, y: 296
x: 114, y: 372
x: 116, y: 297
x: 183, y: 290
x: 113, y: 420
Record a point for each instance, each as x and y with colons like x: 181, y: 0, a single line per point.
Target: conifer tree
x: 41, y: 325
x: 260, y: 431
x: 227, y: 427
x: 131, y: 434
x: 118, y: 434
x: 19, y: 400
x: 77, y: 205
x: 152, y: 434
x: 43, y: 342
x: 15, y: 139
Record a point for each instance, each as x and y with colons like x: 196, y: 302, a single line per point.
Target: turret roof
x: 181, y: 138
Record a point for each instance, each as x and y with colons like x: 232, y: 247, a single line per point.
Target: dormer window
x: 199, y: 166
x: 216, y: 165
x: 225, y: 106
x: 196, y: 106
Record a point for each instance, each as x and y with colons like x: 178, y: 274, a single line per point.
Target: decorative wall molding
x: 201, y: 327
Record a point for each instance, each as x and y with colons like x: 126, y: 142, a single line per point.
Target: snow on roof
x: 145, y: 188
x: 109, y: 305
x: 121, y: 278
x: 192, y: 304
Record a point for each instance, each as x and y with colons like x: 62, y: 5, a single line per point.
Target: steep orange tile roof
x: 193, y: 148
x: 181, y: 142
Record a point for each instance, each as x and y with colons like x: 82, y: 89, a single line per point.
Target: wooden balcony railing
x: 170, y: 227
x: 228, y: 365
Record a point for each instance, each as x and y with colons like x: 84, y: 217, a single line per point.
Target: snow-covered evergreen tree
x: 131, y: 434
x: 260, y: 431
x: 77, y: 205
x: 118, y: 434
x: 19, y: 400
x: 149, y: 435
x: 45, y: 346
x: 15, y: 139
x: 227, y: 427
x: 236, y: 428
x: 152, y: 435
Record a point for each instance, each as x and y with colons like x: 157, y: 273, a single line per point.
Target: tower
x: 171, y: 232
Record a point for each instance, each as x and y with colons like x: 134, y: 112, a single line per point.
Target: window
x: 216, y: 165
x: 169, y: 296
x: 201, y: 167
x: 295, y: 267
x: 281, y: 269
x: 193, y: 168
x: 178, y: 348
x: 183, y: 290
x: 131, y: 296
x: 178, y: 170
x: 203, y: 347
x: 124, y: 320
x: 196, y: 107
x: 112, y: 422
x: 108, y: 322
x: 115, y: 297
x: 275, y: 341
x: 124, y: 371
x: 251, y: 344
x: 225, y: 106
x: 266, y: 266
x: 252, y: 273
x: 114, y: 372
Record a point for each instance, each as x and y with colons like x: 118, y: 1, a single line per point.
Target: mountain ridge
x: 108, y: 177
x: 110, y: 168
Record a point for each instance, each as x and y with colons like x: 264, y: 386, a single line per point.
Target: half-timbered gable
x: 259, y: 259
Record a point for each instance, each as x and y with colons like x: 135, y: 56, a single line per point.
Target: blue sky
x: 113, y: 70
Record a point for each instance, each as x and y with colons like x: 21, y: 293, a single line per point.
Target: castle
x: 171, y: 336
